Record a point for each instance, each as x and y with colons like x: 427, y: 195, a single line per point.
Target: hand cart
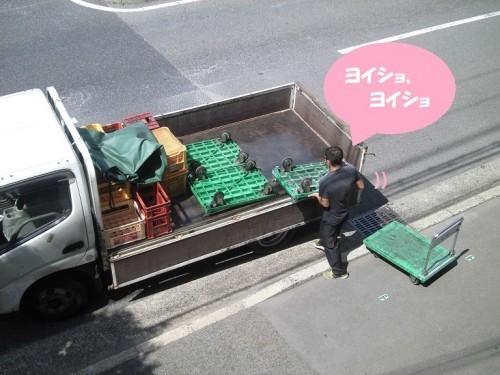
x: 420, y: 257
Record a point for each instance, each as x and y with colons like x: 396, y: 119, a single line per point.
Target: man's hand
x: 322, y: 201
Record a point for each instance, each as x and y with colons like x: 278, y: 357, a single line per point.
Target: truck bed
x: 268, y: 139
x: 270, y: 125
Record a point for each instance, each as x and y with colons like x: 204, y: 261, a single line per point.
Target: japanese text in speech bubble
x: 389, y: 88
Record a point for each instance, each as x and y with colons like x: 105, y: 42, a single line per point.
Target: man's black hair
x: 334, y: 154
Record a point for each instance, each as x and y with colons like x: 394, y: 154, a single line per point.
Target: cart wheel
x: 218, y: 199
x: 225, y: 137
x: 305, y: 185
x: 414, y: 280
x: 267, y: 189
x: 201, y: 173
x: 242, y: 157
x: 287, y: 164
x: 193, y: 165
x: 250, y: 164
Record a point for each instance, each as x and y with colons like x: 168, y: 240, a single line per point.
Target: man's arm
x: 325, y: 202
x: 358, y: 188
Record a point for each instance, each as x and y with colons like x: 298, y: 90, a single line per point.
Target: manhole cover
x: 369, y: 223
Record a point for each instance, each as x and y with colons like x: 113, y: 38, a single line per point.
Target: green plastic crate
x: 213, y: 154
x: 238, y: 186
x: 291, y: 181
x: 408, y: 250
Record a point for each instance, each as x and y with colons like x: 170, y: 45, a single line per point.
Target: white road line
x: 422, y: 31
x: 131, y: 10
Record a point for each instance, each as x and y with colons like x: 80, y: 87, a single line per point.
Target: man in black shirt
x: 334, y: 192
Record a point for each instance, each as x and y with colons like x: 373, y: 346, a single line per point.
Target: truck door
x: 42, y: 231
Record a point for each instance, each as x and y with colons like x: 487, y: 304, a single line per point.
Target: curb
x: 270, y: 291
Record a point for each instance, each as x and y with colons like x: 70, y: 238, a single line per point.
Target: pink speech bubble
x: 389, y: 88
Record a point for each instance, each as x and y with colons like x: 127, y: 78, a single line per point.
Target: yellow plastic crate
x: 175, y: 184
x: 123, y: 224
x: 96, y: 127
x: 175, y: 150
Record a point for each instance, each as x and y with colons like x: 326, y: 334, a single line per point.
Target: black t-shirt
x: 337, y: 188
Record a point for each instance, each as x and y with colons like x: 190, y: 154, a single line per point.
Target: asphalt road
x: 108, y: 65
x: 374, y: 322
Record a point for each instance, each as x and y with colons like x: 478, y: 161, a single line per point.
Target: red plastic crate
x: 158, y: 226
x: 147, y: 118
x: 110, y: 128
x: 153, y: 201
x: 154, y: 204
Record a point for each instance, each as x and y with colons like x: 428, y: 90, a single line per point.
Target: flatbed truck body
x: 270, y: 125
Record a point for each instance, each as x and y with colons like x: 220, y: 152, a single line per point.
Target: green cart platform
x: 213, y: 153
x: 420, y: 257
x: 300, y: 180
x: 230, y: 187
x: 223, y: 177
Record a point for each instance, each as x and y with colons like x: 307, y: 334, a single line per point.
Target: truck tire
x: 272, y: 243
x: 54, y: 299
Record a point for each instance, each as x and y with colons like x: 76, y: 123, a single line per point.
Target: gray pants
x: 328, y: 235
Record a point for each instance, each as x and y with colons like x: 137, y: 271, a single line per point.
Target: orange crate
x: 122, y: 225
x: 175, y: 184
x: 175, y: 150
x: 147, y: 118
x: 119, y: 192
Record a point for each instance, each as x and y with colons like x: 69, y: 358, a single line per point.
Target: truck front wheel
x: 55, y: 298
x: 272, y: 243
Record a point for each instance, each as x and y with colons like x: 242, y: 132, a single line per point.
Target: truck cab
x: 45, y: 222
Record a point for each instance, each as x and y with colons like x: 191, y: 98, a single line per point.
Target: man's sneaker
x: 317, y: 244
x: 330, y: 276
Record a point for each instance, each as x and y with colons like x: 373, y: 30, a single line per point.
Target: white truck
x: 52, y: 250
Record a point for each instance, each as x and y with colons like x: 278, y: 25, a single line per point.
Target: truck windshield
x: 30, y: 208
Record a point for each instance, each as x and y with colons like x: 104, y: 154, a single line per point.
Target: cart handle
x: 442, y: 236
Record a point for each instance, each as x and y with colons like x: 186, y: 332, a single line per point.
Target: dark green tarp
x: 130, y: 154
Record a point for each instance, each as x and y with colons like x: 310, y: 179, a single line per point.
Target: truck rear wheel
x: 55, y: 299
x: 272, y: 243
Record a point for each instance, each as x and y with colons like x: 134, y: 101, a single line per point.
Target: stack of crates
x: 175, y: 178
x: 122, y: 224
x: 146, y: 118
x: 154, y: 205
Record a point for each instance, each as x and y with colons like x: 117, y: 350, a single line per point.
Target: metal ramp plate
x: 407, y: 249
x: 369, y: 223
x: 291, y: 181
